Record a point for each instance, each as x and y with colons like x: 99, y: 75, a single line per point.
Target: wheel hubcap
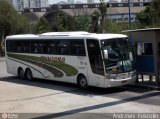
x: 83, y: 82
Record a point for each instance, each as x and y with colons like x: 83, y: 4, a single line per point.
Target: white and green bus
x: 86, y: 59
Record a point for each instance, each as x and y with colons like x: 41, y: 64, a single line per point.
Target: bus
x: 82, y: 58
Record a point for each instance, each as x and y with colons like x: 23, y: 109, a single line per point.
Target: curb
x: 151, y: 87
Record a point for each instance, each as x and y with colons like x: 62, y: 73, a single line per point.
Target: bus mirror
x: 105, y: 54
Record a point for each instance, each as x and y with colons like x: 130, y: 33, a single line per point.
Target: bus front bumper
x: 119, y: 82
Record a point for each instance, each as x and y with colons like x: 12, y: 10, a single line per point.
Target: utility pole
x: 129, y: 12
x: 129, y: 23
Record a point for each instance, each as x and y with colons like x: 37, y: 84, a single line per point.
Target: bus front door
x: 96, y: 65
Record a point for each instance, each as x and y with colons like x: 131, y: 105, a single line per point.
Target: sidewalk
x: 2, y: 59
x: 146, y: 83
x: 147, y: 86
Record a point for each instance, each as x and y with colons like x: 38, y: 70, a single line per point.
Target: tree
x: 10, y: 21
x: 82, y: 23
x: 21, y: 26
x: 7, y: 18
x: 95, y: 18
x: 145, y: 17
x: 103, y: 10
x: 42, y: 26
x: 64, y: 22
x: 151, y: 15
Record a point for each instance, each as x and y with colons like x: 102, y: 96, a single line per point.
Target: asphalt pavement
x: 50, y: 99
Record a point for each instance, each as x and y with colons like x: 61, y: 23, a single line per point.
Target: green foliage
x: 42, y: 26
x: 94, y: 26
x: 145, y: 17
x: 7, y: 19
x: 155, y: 5
x: 10, y: 21
x: 111, y: 27
x: 150, y: 17
x: 103, y: 10
x: 82, y: 23
x: 64, y: 22
x: 114, y: 27
x: 22, y: 25
x: 103, y: 7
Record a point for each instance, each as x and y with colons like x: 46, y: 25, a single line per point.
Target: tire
x: 28, y: 74
x: 82, y: 82
x: 21, y: 74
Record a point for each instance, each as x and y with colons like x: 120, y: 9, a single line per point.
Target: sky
x: 56, y: 1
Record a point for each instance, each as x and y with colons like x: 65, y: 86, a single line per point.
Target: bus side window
x: 52, y: 47
x: 74, y: 50
x: 78, y: 48
x: 64, y: 47
x: 9, y: 46
x: 36, y: 47
x: 44, y: 47
x: 27, y: 46
x: 19, y: 46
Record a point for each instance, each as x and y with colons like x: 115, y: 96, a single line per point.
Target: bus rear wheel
x: 82, y: 82
x: 28, y: 74
x: 21, y: 73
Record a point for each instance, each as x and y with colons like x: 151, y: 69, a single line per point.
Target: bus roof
x: 64, y: 35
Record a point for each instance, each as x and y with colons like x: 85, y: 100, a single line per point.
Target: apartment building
x: 21, y: 4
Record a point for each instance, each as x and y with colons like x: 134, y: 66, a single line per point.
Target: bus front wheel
x: 21, y: 73
x: 28, y: 74
x: 82, y: 82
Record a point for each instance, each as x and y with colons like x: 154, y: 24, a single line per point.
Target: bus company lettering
x: 53, y: 59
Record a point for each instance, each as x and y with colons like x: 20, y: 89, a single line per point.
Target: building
x: 117, y: 12
x: 38, y: 3
x: 136, y: 1
x: 78, y: 2
x: 70, y: 1
x: 62, y: 2
x: 21, y: 4
x: 90, y: 1
x: 113, y: 1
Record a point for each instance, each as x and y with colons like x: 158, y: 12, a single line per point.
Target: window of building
x: 144, y: 49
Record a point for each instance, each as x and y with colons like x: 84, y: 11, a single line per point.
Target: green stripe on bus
x: 68, y: 69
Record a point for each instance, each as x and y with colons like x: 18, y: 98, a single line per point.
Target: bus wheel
x: 28, y: 74
x: 82, y: 82
x: 21, y: 73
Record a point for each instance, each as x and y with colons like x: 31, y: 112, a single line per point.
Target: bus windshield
x: 120, y: 56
